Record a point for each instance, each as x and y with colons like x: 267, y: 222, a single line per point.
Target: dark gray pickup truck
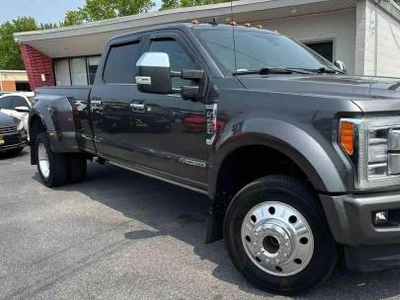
x: 301, y: 162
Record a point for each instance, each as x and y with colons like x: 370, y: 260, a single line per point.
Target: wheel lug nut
x: 277, y: 261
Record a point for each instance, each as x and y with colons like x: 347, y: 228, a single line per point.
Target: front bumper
x: 367, y: 247
x: 13, y: 141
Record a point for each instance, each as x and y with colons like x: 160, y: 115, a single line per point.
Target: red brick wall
x: 36, y: 63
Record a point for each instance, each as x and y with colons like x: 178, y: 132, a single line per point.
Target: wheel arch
x: 301, y: 154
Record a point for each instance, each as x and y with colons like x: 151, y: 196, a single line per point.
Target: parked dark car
x: 13, y: 136
x: 301, y: 161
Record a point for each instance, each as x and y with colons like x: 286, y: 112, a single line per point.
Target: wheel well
x: 36, y: 127
x: 249, y: 163
x: 241, y: 167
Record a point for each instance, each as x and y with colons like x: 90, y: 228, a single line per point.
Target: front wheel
x: 277, y: 237
x: 52, y: 166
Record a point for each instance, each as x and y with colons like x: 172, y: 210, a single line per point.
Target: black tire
x: 299, y: 195
x: 58, y: 163
x: 77, y: 168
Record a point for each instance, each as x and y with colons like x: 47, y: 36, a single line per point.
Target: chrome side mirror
x: 153, y: 73
x: 341, y: 66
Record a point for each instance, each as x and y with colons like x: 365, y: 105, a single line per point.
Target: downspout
x: 1, y: 82
x: 376, y: 43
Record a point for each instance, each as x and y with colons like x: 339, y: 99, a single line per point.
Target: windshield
x: 258, y: 49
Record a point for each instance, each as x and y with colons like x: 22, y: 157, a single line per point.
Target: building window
x: 92, y: 65
x: 324, y: 49
x: 76, y: 71
x: 61, y: 69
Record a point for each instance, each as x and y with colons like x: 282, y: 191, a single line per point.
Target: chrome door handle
x: 138, y: 107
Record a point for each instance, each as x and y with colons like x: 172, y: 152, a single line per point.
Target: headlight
x: 20, y: 126
x: 373, y: 144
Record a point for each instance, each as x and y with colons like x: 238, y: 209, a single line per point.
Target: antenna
x: 233, y: 35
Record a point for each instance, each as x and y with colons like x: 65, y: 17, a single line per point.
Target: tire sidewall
x: 41, y: 139
x: 320, y: 265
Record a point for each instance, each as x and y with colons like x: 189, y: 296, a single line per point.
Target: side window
x: 121, y: 63
x: 178, y: 57
x: 18, y: 101
x: 5, y: 103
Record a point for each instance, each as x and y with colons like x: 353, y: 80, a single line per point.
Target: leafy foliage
x: 10, y: 57
x: 95, y: 10
x: 167, y: 4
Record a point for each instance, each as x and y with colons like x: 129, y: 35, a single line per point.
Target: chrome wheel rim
x: 43, y: 161
x: 277, y: 238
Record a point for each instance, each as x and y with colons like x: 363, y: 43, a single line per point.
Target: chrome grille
x: 8, y: 129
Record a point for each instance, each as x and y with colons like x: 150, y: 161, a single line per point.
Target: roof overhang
x: 89, y: 39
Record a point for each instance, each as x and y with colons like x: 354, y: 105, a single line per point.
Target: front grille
x: 8, y: 129
x: 13, y: 139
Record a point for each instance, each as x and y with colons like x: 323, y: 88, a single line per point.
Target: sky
x: 44, y: 11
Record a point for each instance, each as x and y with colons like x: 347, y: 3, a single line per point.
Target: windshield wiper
x: 323, y: 70
x: 267, y: 71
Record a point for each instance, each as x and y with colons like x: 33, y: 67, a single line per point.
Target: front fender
x: 56, y: 115
x: 325, y: 167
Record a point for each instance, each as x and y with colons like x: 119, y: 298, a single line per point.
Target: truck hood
x: 369, y: 93
x: 6, y: 120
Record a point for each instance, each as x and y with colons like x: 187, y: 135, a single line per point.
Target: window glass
x: 5, y: 103
x: 78, y: 71
x: 92, y: 65
x: 178, y: 57
x: 61, y: 68
x: 257, y: 49
x: 18, y: 101
x: 323, y: 49
x: 121, y: 63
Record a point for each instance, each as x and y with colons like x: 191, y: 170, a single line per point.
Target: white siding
x: 381, y: 46
x: 339, y: 26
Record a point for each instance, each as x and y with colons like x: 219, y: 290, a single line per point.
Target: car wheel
x: 77, y: 168
x: 277, y: 236
x: 52, y: 167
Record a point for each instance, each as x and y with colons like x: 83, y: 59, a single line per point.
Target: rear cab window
x: 120, y: 67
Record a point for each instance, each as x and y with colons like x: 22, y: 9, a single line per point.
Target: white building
x: 365, y: 34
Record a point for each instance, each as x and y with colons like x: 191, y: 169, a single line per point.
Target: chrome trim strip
x: 160, y: 178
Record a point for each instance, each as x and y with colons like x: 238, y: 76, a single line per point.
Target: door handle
x: 96, y: 102
x: 96, y: 106
x: 138, y: 107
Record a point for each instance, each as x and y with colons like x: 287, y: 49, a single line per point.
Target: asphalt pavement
x: 120, y: 235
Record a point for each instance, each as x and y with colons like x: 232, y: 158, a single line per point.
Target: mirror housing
x: 153, y: 73
x: 341, y: 66
x: 22, y: 109
x: 154, y: 76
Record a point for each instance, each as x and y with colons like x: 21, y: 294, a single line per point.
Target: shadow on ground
x: 182, y: 214
x: 12, y: 154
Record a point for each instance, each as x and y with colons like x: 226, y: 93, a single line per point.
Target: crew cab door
x: 111, y: 98
x: 169, y: 133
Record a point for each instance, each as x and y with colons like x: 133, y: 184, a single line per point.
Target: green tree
x: 167, y: 4
x: 10, y: 57
x: 95, y: 10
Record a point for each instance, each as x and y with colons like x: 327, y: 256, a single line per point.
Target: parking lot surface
x: 120, y: 235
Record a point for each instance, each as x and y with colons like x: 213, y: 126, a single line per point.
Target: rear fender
x: 56, y: 114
